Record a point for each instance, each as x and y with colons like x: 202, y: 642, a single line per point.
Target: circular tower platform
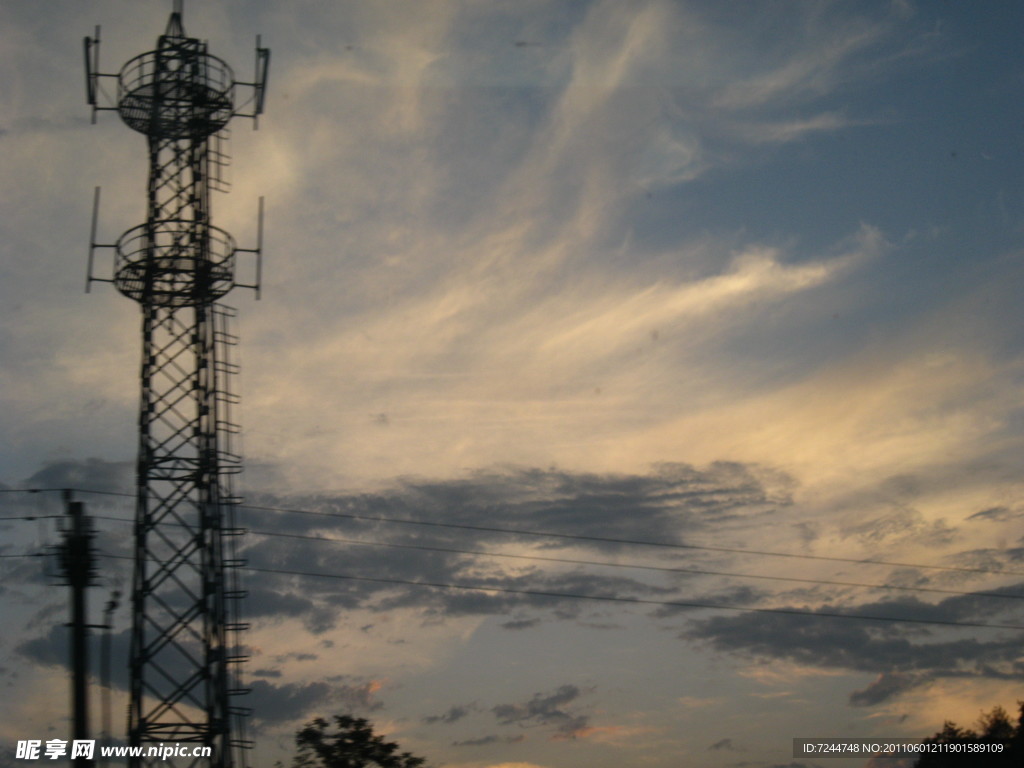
x: 178, y: 91
x: 176, y: 264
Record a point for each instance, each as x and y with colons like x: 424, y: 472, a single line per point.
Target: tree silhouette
x: 993, y: 728
x: 352, y: 745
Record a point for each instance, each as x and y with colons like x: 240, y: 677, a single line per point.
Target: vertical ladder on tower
x: 229, y: 460
x: 220, y: 160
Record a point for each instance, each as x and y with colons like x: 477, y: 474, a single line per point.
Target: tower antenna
x: 185, y: 636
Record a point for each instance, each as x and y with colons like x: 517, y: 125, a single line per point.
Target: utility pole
x: 107, y: 626
x: 78, y: 567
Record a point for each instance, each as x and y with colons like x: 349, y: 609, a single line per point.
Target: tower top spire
x: 175, y: 26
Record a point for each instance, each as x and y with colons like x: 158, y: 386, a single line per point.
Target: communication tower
x: 185, y: 645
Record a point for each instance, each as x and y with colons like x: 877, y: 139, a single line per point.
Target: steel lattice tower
x: 185, y: 644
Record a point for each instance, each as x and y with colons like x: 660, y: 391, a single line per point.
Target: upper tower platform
x: 177, y: 91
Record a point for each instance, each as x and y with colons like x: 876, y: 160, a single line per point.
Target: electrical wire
x: 609, y: 540
x: 659, y: 568
x: 618, y: 599
x: 605, y: 564
x: 576, y: 537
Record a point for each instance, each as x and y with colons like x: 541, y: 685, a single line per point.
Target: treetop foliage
x: 994, y: 727
x: 352, y: 745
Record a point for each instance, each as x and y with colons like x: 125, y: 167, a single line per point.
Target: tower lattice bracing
x: 185, y: 645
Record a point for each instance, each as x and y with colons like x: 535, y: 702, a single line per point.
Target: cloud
x: 545, y: 710
x: 793, y: 130
x: 282, y: 703
x: 607, y: 510
x: 484, y: 741
x: 454, y: 714
x: 520, y: 624
x: 809, y: 65
x: 902, y: 657
x: 897, y: 525
x: 85, y: 475
x: 886, y: 686
x: 275, y: 704
x: 996, y: 514
x: 617, y: 735
x: 50, y: 650
x: 511, y: 236
x: 725, y: 744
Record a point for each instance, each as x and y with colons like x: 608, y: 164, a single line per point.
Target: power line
x: 577, y: 537
x: 637, y: 600
x: 609, y: 540
x: 663, y: 569
x: 618, y: 599
x: 31, y: 490
x: 583, y: 537
x: 61, y: 490
x: 657, y: 568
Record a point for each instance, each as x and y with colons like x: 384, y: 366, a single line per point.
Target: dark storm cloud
x: 902, y: 655
x: 664, y: 506
x: 547, y: 710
